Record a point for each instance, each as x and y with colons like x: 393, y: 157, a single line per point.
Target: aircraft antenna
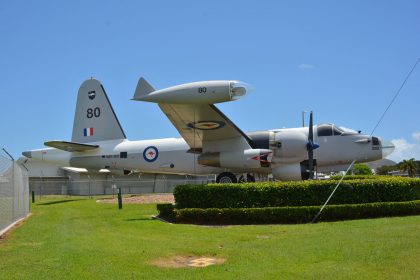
x: 373, y: 130
x: 303, y: 117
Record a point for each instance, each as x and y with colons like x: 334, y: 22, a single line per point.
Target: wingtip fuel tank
x: 205, y: 92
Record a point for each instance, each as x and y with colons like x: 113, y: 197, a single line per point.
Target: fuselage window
x: 123, y: 155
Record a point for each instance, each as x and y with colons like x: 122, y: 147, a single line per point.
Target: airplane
x: 211, y: 143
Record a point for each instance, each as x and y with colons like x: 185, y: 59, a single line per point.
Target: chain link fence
x: 91, y: 187
x: 14, y: 192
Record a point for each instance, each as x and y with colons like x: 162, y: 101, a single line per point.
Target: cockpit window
x: 329, y: 130
x: 325, y: 130
x: 348, y: 131
x: 337, y: 130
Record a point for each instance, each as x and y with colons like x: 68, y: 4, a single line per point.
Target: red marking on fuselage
x: 260, y: 157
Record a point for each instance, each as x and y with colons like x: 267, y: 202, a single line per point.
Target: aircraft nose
x: 387, y: 148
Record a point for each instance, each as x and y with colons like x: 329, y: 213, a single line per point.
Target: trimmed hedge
x: 303, y: 193
x: 360, y: 177
x: 166, y: 211
x: 290, y: 215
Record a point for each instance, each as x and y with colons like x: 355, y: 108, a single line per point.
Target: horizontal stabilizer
x: 143, y: 88
x: 70, y: 146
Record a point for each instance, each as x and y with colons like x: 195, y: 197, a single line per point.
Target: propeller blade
x: 311, y: 147
x: 311, y: 129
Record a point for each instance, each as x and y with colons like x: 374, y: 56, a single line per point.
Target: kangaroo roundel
x: 150, y: 154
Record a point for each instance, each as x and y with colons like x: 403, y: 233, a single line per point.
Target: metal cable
x: 373, y: 130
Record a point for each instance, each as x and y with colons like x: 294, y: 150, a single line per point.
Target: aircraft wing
x: 70, y: 146
x: 205, y: 128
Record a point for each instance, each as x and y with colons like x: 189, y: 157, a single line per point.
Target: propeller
x: 311, y: 146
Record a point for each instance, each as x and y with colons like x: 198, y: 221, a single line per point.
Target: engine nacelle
x: 292, y: 146
x: 290, y: 172
x: 206, y: 92
x: 251, y: 158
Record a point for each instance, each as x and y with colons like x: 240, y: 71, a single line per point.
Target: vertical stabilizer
x: 143, y: 88
x: 95, y: 119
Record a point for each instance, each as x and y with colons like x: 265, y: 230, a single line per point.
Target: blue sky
x: 343, y: 60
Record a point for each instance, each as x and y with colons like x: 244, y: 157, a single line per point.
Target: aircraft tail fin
x: 95, y: 119
x: 143, y: 88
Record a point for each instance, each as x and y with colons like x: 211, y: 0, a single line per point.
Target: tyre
x: 226, y: 178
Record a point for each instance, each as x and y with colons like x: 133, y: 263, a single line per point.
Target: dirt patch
x: 142, y: 199
x: 187, y: 261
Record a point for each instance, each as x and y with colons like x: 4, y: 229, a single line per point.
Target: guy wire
x: 376, y: 126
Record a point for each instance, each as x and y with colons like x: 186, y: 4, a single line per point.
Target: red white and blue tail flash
x: 88, y: 131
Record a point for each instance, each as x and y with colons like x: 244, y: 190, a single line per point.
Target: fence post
x: 90, y: 193
x: 154, y: 184
x: 119, y: 199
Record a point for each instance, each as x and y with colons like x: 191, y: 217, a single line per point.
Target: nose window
x: 375, y: 141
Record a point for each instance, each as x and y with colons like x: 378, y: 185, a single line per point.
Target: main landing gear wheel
x: 226, y: 178
x: 249, y: 179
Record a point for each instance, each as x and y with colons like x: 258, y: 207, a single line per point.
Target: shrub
x: 360, y: 177
x: 288, y: 215
x: 362, y: 169
x: 304, y: 193
x: 166, y: 211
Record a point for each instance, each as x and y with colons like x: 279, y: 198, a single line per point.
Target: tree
x: 362, y: 169
x: 384, y: 170
x: 410, y: 166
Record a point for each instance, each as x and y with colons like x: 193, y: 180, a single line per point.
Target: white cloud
x: 305, y: 66
x: 404, y: 150
x: 416, y: 135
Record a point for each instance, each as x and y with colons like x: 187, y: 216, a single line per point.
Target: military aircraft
x: 210, y: 143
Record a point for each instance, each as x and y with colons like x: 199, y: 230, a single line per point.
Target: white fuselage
x: 171, y: 155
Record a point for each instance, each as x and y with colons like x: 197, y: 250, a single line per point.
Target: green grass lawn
x: 77, y: 238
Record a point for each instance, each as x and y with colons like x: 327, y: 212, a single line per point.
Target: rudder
x: 95, y: 119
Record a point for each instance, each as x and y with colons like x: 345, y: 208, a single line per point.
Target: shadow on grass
x: 58, y: 202
x: 139, y: 219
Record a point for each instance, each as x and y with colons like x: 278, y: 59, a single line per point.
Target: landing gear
x: 229, y: 178
x: 226, y: 177
x: 249, y: 178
